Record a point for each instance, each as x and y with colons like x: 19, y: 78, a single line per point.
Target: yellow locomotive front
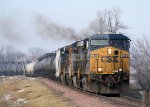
x: 109, y: 62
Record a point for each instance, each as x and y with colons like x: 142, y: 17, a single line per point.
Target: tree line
x: 107, y: 21
x: 9, y: 53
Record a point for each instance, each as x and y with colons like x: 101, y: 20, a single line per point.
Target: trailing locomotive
x: 99, y: 63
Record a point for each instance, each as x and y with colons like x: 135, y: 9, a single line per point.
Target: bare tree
x: 35, y: 53
x: 8, y: 54
x: 107, y: 21
x: 1, y: 54
x: 20, y: 56
x: 113, y: 22
x: 140, y: 64
x: 101, y: 19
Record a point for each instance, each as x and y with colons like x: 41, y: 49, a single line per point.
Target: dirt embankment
x: 28, y: 92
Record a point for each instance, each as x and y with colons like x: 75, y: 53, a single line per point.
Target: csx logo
x: 109, y: 58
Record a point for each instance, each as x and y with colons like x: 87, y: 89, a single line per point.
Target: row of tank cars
x: 12, y: 68
x: 99, y: 63
x: 43, y: 66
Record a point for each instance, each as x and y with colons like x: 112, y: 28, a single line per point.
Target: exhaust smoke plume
x: 51, y: 30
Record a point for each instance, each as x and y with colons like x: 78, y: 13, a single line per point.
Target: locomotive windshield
x: 121, y: 44
x: 96, y: 44
x: 99, y: 42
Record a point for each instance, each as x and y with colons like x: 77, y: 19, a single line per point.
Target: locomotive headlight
x: 99, y: 69
x: 109, y: 51
x: 120, y: 69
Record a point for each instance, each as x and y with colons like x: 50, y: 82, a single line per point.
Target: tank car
x: 1, y: 69
x: 8, y: 69
x: 45, y: 65
x: 39, y: 67
x: 50, y: 66
x: 14, y: 68
x: 19, y: 69
x: 23, y: 68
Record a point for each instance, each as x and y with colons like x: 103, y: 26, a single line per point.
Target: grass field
x: 28, y: 92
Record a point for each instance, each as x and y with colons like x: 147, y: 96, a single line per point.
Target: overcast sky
x: 77, y: 14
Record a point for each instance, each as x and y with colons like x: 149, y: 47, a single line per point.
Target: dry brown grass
x: 23, y: 92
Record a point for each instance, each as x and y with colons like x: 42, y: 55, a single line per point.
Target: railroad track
x: 122, y: 100
x: 127, y: 101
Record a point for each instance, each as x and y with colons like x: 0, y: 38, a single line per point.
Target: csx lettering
x: 109, y: 58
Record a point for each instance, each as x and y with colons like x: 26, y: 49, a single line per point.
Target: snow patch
x: 19, y: 101
x: 6, y: 97
x: 14, y: 77
x: 3, y: 76
x: 30, y: 78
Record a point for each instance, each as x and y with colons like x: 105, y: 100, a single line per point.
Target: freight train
x: 99, y: 63
x: 12, y: 68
